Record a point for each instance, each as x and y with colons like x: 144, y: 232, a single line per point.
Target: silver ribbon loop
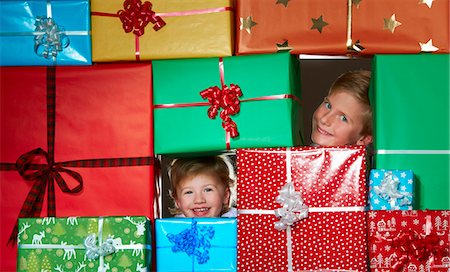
x: 94, y: 252
x: 49, y: 38
x: 293, y: 208
x: 388, y: 191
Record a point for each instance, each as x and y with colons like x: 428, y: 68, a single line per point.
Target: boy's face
x: 202, y: 195
x: 339, y: 121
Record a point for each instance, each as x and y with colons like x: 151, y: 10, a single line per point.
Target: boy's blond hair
x: 356, y: 83
x: 182, y: 168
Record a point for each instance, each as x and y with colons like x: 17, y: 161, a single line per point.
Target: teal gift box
x: 121, y: 243
x: 213, y: 104
x: 391, y: 189
x: 410, y: 97
x: 43, y: 33
x: 196, y: 244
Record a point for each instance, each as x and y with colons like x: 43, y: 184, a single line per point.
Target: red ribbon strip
x: 44, y: 175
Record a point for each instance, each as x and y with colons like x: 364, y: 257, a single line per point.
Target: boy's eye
x: 343, y: 118
x: 209, y: 189
x: 187, y: 192
x: 327, y: 104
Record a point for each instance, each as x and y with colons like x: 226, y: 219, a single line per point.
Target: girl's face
x: 339, y: 121
x: 202, y: 195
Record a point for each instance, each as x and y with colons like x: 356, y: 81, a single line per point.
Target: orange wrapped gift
x: 161, y: 29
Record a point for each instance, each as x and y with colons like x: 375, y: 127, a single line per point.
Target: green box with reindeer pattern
x: 117, y: 243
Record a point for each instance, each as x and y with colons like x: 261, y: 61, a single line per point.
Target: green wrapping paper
x: 270, y: 112
x: 410, y: 95
x: 58, y: 244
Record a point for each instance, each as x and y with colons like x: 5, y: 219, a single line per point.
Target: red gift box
x: 271, y: 234
x: 417, y: 240
x: 89, y: 127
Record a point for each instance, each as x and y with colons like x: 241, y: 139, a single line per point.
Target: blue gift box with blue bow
x: 44, y: 33
x: 391, y: 189
x: 196, y: 244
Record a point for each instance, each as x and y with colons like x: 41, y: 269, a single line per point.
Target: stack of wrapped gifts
x: 93, y: 93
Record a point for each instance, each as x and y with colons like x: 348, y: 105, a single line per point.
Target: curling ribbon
x: 136, y: 15
x: 388, y: 191
x: 293, y: 208
x: 410, y: 245
x: 49, y: 38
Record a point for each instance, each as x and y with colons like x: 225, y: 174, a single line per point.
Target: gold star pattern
x: 356, y: 2
x: 318, y: 23
x: 391, y: 23
x: 284, y: 2
x: 284, y: 46
x: 428, y: 46
x: 429, y: 3
x: 247, y: 24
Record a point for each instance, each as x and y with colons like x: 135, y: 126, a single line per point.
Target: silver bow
x: 388, y: 191
x: 293, y: 207
x: 93, y: 251
x: 50, y: 38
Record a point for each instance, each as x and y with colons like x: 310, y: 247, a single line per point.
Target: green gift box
x: 410, y: 96
x: 84, y: 244
x: 201, y: 104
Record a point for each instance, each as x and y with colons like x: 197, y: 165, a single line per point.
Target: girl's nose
x: 199, y: 198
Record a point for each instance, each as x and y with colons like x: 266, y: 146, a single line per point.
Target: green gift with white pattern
x: 116, y: 243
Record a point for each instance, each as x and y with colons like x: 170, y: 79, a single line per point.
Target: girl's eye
x: 343, y: 118
x: 327, y: 105
x: 208, y: 189
x: 187, y: 192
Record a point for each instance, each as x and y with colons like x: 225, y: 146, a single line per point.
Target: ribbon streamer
x: 293, y: 208
x: 388, y: 191
x: 93, y: 251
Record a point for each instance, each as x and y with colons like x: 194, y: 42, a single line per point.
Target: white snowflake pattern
x: 403, y: 174
x: 404, y: 223
x: 372, y: 215
x: 403, y: 188
x: 376, y: 201
x: 416, y: 221
x: 383, y: 207
x: 445, y: 213
x: 387, y: 247
x: 410, y: 181
x: 376, y: 175
x: 370, y: 181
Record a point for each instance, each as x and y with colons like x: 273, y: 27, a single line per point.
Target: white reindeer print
x: 136, y: 251
x: 59, y: 268
x: 48, y: 220
x: 68, y: 253
x: 72, y: 221
x: 37, y: 238
x: 141, y: 268
x: 140, y: 226
x: 117, y: 242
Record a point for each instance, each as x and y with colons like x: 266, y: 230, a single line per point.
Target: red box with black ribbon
x: 75, y: 141
x: 417, y: 240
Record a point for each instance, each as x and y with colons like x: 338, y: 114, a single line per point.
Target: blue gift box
x: 391, y: 189
x: 196, y: 244
x: 44, y: 33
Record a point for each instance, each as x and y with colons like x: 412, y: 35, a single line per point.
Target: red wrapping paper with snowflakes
x: 417, y: 240
x: 331, y: 182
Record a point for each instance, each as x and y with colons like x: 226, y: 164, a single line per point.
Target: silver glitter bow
x: 50, y: 38
x: 293, y: 208
x: 93, y: 251
x: 388, y: 191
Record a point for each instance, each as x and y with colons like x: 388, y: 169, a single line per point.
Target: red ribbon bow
x: 226, y: 99
x: 136, y: 16
x: 410, y: 245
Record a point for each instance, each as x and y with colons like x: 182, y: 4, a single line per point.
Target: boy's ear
x: 365, y: 140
